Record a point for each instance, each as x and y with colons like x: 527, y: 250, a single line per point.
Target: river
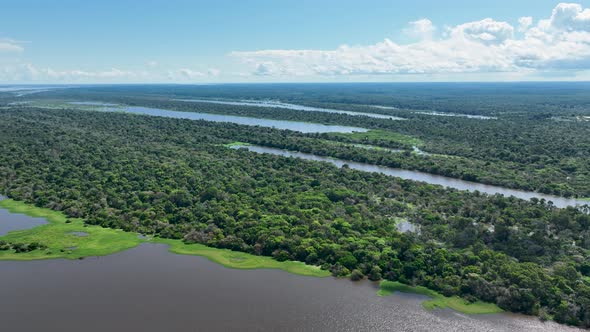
x: 560, y: 202
x: 278, y: 104
x: 304, y: 127
x: 149, y: 289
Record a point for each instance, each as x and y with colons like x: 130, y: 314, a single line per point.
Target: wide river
x: 304, y: 127
x: 421, y: 176
x: 278, y: 104
x: 149, y: 289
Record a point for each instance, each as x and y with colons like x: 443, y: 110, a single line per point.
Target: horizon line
x: 304, y: 82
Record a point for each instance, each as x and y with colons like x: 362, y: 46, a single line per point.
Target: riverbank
x: 241, y: 260
x: 212, y: 115
x: 61, y: 237
x: 438, y: 300
x: 449, y: 182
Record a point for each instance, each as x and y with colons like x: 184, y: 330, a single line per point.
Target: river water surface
x: 149, y: 289
x: 421, y: 176
x: 304, y: 127
x: 278, y: 104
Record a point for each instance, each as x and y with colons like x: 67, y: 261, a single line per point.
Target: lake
x: 278, y: 104
x: 421, y: 176
x: 149, y: 289
x: 13, y: 222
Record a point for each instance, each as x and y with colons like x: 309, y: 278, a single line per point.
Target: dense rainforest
x: 175, y: 178
x: 536, y: 141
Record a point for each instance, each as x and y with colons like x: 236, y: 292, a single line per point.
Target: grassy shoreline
x: 240, y: 260
x: 438, y: 300
x: 58, y: 236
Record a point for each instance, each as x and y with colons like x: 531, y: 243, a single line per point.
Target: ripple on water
x: 149, y: 289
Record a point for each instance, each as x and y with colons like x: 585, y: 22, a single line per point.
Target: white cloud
x: 524, y: 23
x: 569, y: 17
x: 26, y: 72
x: 485, y: 31
x: 187, y: 75
x: 561, y: 42
x: 213, y: 72
x: 421, y: 29
x: 10, y: 46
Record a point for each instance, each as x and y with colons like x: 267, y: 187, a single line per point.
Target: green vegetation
x: 173, y: 179
x: 380, y: 137
x: 438, y: 300
x: 61, y: 104
x: 56, y: 237
x: 57, y: 241
x: 523, y: 148
x: 240, y: 260
x: 232, y: 144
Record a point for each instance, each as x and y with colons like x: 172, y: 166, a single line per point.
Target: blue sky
x: 65, y: 41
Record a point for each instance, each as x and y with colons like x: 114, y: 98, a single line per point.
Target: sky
x: 224, y: 41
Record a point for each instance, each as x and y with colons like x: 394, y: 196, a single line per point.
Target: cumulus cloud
x: 569, y: 17
x: 422, y: 29
x: 524, y: 23
x: 560, y: 42
x: 485, y: 31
